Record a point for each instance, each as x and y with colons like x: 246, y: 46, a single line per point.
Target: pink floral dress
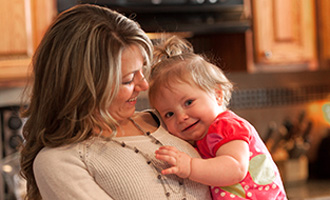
x: 263, y: 180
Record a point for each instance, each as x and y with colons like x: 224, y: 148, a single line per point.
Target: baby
x: 191, y: 95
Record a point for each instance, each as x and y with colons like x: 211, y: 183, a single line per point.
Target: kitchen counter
x: 309, y: 190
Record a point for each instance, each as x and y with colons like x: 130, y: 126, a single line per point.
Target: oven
x: 210, y: 25
x: 11, y: 126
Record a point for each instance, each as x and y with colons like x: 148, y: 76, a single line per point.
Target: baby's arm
x: 228, y: 167
x: 180, y: 161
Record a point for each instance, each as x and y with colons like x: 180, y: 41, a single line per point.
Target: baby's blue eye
x: 188, y: 102
x: 169, y: 114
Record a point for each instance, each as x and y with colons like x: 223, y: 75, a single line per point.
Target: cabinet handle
x: 268, y: 54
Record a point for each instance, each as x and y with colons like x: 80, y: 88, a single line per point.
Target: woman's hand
x: 180, y: 161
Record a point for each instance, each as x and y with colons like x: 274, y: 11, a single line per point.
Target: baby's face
x: 187, y: 110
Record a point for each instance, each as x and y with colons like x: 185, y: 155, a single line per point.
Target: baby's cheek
x: 172, y: 130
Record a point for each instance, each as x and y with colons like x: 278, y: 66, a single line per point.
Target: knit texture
x: 99, y: 169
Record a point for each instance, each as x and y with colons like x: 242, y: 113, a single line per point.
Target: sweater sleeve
x: 61, y: 174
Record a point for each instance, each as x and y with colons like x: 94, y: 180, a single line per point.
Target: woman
x: 84, y: 139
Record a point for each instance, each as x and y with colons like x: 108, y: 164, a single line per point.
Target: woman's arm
x: 228, y: 167
x: 60, y: 174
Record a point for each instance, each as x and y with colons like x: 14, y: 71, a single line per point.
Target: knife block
x: 294, y: 170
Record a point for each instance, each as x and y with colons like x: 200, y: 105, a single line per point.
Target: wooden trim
x: 323, y: 7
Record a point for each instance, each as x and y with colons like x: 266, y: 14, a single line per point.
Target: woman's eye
x: 127, y: 82
x: 128, y: 79
x: 187, y: 103
x: 169, y: 114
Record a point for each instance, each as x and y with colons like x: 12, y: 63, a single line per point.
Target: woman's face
x: 133, y: 82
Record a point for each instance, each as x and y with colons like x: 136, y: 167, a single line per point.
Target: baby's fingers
x: 166, y: 151
x: 171, y: 170
x: 169, y: 148
x: 167, y: 158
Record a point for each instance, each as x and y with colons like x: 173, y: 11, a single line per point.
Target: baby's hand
x: 181, y: 162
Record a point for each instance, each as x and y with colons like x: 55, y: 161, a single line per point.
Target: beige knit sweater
x: 99, y: 169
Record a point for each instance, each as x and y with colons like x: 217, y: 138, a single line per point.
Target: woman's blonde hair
x: 76, y: 76
x: 175, y: 62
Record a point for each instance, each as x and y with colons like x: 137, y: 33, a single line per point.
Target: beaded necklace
x: 152, y: 163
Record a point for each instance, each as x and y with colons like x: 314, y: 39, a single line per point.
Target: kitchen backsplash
x: 10, y: 96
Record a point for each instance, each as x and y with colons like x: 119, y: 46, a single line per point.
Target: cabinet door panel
x: 284, y: 31
x: 13, y: 27
x: 22, y: 25
x: 324, y: 32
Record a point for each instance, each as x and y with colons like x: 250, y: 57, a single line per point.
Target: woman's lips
x: 132, y: 100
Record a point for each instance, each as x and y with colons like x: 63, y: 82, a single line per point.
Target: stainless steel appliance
x: 11, y: 137
x: 198, y: 16
x: 210, y: 25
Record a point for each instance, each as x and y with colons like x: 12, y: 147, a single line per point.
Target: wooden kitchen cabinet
x: 22, y: 25
x: 323, y: 15
x: 284, y: 33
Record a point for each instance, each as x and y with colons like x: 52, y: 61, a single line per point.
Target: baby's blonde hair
x: 175, y: 62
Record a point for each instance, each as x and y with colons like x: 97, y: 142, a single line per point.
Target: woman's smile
x: 132, y: 100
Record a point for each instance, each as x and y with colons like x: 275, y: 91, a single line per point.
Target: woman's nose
x: 142, y: 84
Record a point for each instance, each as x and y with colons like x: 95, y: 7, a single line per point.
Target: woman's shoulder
x: 148, y: 119
x: 56, y: 156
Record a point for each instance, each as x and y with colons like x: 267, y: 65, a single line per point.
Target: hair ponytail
x: 170, y: 47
